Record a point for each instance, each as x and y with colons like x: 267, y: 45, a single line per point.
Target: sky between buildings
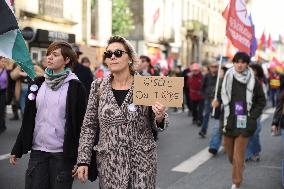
x: 268, y: 15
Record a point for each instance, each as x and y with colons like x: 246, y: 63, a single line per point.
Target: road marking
x: 9, y: 109
x: 191, y: 164
x: 269, y: 111
x: 266, y: 114
x: 270, y: 167
x: 264, y: 117
x: 5, y: 156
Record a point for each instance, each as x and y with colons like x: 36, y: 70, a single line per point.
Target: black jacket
x: 85, y: 76
x: 278, y: 118
x: 208, y: 85
x: 75, y: 110
x: 258, y: 104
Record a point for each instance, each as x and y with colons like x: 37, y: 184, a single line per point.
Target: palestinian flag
x: 12, y: 43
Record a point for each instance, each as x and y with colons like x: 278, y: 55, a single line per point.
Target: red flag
x: 170, y: 60
x: 261, y: 44
x: 230, y: 50
x: 225, y: 13
x: 156, y: 15
x: 269, y: 43
x: 239, y: 28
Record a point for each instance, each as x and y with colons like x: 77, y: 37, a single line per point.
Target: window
x: 94, y: 19
x: 35, y: 56
x: 43, y: 53
x: 51, y: 8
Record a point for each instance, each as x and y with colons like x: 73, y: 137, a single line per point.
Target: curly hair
x: 129, y: 49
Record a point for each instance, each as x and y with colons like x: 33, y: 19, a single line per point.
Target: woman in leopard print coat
x: 126, y: 151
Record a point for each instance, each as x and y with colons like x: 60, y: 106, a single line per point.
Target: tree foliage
x: 93, y: 3
x: 122, y: 21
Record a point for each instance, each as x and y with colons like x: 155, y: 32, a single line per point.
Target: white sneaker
x: 234, y: 187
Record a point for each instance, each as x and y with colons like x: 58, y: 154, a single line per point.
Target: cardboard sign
x: 151, y: 89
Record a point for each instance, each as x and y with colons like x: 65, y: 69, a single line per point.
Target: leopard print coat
x: 126, y: 151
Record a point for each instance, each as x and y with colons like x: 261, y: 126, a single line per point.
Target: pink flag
x: 239, y: 28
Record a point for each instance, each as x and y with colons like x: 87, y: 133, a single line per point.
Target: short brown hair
x: 66, y: 51
x: 128, y: 47
x: 145, y: 58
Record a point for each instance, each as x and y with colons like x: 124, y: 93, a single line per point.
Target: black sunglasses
x: 117, y: 53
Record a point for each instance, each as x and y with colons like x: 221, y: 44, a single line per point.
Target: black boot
x: 15, y: 113
x: 2, y: 129
x: 202, y: 133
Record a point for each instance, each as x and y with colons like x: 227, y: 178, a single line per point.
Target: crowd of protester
x: 62, y: 75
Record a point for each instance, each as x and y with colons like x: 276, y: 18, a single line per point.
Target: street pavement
x: 183, y: 161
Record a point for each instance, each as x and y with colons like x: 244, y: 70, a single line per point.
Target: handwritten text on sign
x: 151, y: 89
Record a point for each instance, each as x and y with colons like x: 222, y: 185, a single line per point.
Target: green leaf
x: 122, y: 21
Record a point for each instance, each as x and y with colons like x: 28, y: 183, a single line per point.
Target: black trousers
x: 197, y: 110
x: 48, y: 171
x: 187, y: 99
x: 2, y: 110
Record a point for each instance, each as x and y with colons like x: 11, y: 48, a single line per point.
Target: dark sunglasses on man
x: 117, y: 53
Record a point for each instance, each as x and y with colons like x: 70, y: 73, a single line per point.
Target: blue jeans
x: 274, y: 93
x: 254, y: 147
x: 216, y: 136
x: 23, y: 95
x: 206, y: 115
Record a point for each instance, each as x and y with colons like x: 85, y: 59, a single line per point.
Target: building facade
x: 171, y: 32
x: 203, y: 29
x: 162, y: 31
x: 178, y: 32
x: 45, y: 21
x: 156, y: 30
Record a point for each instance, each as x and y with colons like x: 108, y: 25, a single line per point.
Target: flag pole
x: 218, y: 78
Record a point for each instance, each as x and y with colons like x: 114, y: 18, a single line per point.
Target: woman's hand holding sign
x: 159, y: 110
